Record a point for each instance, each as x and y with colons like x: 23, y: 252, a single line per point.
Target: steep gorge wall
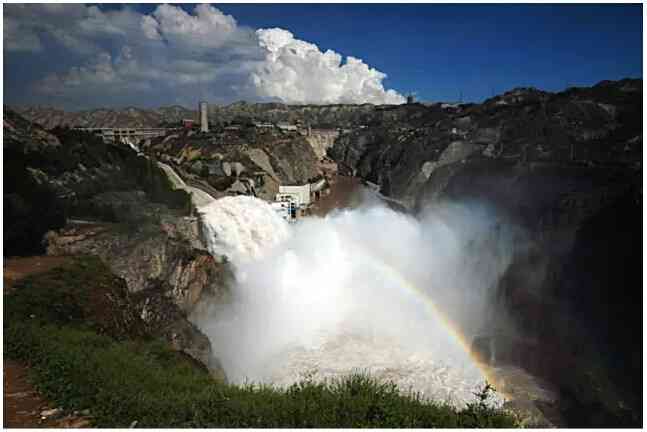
x: 566, y: 168
x: 321, y: 140
x: 247, y: 161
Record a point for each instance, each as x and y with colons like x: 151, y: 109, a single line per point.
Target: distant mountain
x: 317, y: 116
x: 49, y: 117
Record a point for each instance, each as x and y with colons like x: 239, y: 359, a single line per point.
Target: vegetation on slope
x: 54, y: 175
x: 87, y: 351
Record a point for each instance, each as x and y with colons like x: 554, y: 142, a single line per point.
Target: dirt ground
x: 22, y: 405
x: 15, y: 269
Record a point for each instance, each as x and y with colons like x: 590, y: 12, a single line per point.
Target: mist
x: 365, y: 289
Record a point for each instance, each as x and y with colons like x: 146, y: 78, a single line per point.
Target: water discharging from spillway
x: 368, y: 290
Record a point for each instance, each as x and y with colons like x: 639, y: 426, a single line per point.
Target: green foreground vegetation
x: 81, y: 363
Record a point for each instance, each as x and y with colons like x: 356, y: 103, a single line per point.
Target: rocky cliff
x: 130, y: 217
x: 566, y: 168
x: 601, y: 124
x: 244, y: 160
x: 321, y: 140
x: 166, y: 268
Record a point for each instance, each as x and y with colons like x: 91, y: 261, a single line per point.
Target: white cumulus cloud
x: 297, y: 71
x: 177, y: 56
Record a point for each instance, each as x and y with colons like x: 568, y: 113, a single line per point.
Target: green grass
x: 126, y: 379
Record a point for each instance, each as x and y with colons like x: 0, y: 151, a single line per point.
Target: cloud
x: 297, y: 71
x: 208, y: 28
x: 172, y: 55
x: 19, y: 38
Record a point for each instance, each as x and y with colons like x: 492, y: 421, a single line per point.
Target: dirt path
x: 22, y: 405
x: 15, y: 269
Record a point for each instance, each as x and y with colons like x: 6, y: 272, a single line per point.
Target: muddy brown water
x: 343, y: 192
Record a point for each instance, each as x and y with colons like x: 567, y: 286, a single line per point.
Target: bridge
x: 115, y: 134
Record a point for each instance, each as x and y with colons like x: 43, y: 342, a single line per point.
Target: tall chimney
x: 204, y: 120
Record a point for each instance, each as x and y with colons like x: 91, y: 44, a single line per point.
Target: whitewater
x: 362, y: 290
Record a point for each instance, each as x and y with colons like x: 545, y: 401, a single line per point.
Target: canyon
x: 555, y: 177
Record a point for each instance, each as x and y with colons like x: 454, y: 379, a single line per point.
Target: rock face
x: 166, y: 269
x: 250, y: 161
x: 140, y: 225
x: 565, y: 168
x: 321, y: 140
x: 600, y: 124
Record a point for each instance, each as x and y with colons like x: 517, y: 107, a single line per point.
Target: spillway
x: 199, y: 197
x: 359, y: 290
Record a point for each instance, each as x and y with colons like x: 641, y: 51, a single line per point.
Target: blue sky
x: 439, y: 50
x: 436, y: 51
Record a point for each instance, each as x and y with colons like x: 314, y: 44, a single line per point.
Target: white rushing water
x: 355, y: 291
x: 242, y: 227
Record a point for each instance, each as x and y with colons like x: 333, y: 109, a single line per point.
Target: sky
x: 77, y: 56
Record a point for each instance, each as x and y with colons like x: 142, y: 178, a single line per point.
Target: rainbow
x: 422, y: 298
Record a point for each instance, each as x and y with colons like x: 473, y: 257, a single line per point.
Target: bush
x: 30, y: 208
x: 144, y: 381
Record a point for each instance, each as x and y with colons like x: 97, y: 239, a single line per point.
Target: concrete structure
x: 300, y: 195
x: 204, y: 118
x: 410, y: 99
x: 116, y: 134
x: 287, y: 127
x: 293, y: 202
x: 199, y: 198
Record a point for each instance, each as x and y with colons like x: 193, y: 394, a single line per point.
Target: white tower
x: 204, y: 121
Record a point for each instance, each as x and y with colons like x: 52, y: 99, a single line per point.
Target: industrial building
x: 294, y: 201
x: 300, y: 195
